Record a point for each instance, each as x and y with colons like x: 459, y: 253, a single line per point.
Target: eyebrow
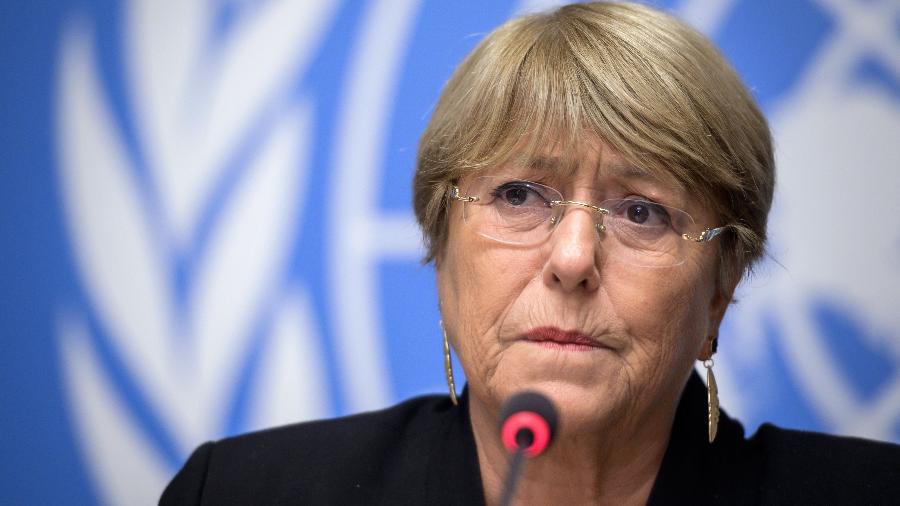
x: 546, y: 163
x: 630, y: 171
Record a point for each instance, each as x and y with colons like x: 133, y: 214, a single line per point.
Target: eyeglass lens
x: 634, y: 231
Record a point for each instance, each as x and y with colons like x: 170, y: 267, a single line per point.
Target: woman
x: 592, y: 185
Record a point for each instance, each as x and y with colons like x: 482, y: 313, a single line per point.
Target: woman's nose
x: 573, y: 264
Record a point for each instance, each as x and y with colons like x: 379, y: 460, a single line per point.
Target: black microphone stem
x: 512, y: 478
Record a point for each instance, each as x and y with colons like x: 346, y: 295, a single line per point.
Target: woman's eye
x: 638, y: 213
x: 518, y: 194
x: 645, y: 213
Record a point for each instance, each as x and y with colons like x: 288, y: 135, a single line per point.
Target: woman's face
x: 606, y: 340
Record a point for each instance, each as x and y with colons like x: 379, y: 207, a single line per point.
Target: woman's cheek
x: 661, y: 316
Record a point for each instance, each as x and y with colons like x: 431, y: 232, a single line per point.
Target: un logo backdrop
x: 207, y: 225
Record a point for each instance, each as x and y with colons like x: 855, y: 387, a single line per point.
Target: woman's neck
x: 605, y: 465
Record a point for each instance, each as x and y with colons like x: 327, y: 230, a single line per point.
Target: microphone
x: 528, y: 422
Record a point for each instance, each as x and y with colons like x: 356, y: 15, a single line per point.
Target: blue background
x: 770, y: 42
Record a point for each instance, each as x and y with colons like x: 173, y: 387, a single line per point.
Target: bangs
x: 545, y: 112
x: 562, y: 87
x: 523, y: 100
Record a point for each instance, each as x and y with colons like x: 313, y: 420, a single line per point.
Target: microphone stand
x: 512, y: 479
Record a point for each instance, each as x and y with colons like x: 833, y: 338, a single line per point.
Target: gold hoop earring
x: 448, y: 367
x: 712, y: 399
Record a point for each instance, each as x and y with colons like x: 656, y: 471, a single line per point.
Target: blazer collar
x: 454, y: 474
x: 696, y: 471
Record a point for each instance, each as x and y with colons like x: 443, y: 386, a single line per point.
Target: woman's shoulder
x: 836, y: 469
x: 774, y: 466
x: 343, y: 459
x: 790, y: 443
x: 412, y: 418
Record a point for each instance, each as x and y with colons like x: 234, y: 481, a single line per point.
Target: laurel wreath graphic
x: 179, y: 268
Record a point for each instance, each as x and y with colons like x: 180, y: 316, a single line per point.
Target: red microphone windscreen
x: 529, y: 421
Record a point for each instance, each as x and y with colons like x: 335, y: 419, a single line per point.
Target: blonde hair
x: 648, y: 85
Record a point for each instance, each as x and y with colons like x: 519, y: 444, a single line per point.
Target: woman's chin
x: 581, y: 410
x: 581, y: 402
x: 556, y: 368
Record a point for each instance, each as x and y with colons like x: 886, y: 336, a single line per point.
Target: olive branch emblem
x: 180, y: 209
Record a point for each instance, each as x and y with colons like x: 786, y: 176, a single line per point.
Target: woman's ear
x: 722, y: 298
x: 710, y: 345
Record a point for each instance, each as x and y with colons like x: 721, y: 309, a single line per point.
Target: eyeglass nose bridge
x: 601, y: 227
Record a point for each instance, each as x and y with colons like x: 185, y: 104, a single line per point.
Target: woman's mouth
x: 564, y: 340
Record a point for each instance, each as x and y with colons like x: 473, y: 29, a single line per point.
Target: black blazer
x: 423, y: 452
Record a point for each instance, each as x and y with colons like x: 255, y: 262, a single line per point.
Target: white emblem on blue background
x: 815, y: 338
x: 182, y: 238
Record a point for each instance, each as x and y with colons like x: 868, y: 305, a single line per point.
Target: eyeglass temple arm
x: 454, y: 194
x: 707, y: 235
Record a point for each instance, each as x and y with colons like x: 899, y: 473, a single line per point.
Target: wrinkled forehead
x: 591, y: 162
